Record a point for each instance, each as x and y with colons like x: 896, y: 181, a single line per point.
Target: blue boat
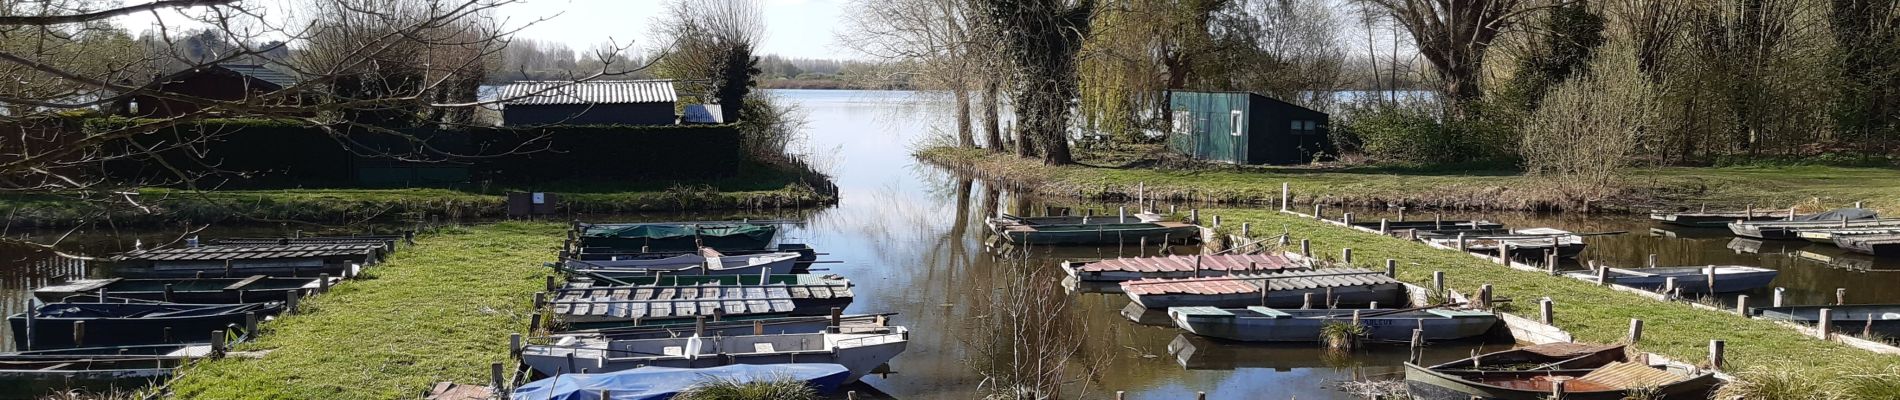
x: 661, y: 383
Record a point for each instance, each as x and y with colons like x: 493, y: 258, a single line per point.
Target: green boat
x: 676, y: 237
x: 1092, y: 230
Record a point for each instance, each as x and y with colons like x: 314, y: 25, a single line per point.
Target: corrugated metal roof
x: 591, y: 92
x: 1290, y: 280
x: 1225, y: 262
x: 248, y: 252
x: 261, y: 73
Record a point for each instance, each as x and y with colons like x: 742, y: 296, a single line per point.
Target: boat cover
x: 661, y: 383
x: 1838, y: 213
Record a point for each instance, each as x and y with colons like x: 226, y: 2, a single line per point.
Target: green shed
x: 1246, y: 128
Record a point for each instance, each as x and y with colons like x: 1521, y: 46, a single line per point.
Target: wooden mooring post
x: 495, y: 376
x: 79, y: 333
x: 1546, y: 309
x: 1716, y: 347
x: 1840, y: 296
x: 1286, y: 194
x: 1391, y: 268
x: 1484, y: 296
x: 1438, y: 282
x: 1636, y: 331
x: 1345, y: 255
x: 1826, y: 323
x: 1778, y: 297
x: 1306, y: 248
x: 1741, y: 305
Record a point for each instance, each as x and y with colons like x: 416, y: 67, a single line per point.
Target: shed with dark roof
x: 226, y: 82
x: 637, y: 102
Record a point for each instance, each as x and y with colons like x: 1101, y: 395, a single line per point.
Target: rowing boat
x: 1879, y: 319
x: 1348, y: 287
x: 1531, y: 242
x: 53, y: 325
x: 1878, y: 245
x: 1713, y: 219
x: 1530, y: 373
x: 1191, y: 266
x: 1844, y: 218
x: 662, y: 383
x: 859, y: 349
x: 711, y: 263
x: 254, y: 289
x: 1829, y: 235
x: 1692, y: 280
x: 677, y: 236
x: 1262, y: 324
x: 1091, y: 230
x: 32, y: 374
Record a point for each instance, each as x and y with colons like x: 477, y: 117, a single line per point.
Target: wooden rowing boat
x: 1345, y: 287
x: 32, y: 374
x: 1829, y: 235
x: 253, y: 289
x: 1189, y: 266
x: 1523, y: 243
x: 1262, y: 324
x: 684, y: 236
x: 730, y: 326
x: 859, y: 349
x: 1713, y: 219
x: 695, y: 264
x: 52, y: 325
x: 1887, y: 245
x: 242, y: 261
x: 1879, y: 319
x: 1091, y: 230
x: 1845, y: 218
x: 1692, y: 280
x: 1529, y: 373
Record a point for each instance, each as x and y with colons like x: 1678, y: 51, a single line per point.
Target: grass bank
x: 765, y: 189
x: 1757, y: 350
x: 1118, y: 174
x: 440, y: 310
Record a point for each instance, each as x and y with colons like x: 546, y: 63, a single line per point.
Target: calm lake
x: 910, y: 236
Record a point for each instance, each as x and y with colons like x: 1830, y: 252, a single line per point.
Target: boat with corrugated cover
x: 1262, y: 324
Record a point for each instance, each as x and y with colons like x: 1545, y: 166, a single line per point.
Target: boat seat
x: 762, y: 347
x: 674, y: 351
x: 1269, y: 312
x: 1458, y: 313
x: 56, y: 367
x: 1202, y: 312
x: 1627, y: 375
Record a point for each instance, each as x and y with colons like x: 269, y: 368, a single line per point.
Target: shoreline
x: 1645, y: 189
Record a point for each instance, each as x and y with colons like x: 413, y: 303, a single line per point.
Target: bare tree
x: 73, y: 62
x: 943, y: 42
x: 1454, y: 35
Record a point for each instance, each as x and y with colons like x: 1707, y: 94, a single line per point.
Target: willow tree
x: 711, y: 47
x: 1040, y: 38
x: 1137, y: 52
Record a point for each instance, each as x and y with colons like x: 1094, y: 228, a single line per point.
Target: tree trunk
x: 965, y: 137
x: 992, y: 116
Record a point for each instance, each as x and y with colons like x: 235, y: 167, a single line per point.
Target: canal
x: 911, y: 238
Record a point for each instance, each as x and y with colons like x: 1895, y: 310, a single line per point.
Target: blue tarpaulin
x: 661, y: 383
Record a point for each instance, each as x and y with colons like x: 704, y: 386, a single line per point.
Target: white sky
x: 794, y: 28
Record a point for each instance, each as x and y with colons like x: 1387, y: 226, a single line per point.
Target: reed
x: 1341, y: 336
x: 723, y: 388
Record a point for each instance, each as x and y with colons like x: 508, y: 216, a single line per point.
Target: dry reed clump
x: 1024, y: 341
x: 1341, y: 336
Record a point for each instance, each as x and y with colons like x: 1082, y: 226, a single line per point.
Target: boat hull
x: 860, y: 360
x: 689, y: 264
x: 1307, y: 329
x: 1695, y: 283
x: 57, y: 333
x: 1850, y: 319
x: 1347, y: 296
x: 1426, y: 384
x: 1182, y: 234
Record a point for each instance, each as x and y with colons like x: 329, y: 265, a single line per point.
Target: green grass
x: 760, y: 189
x: 1117, y: 174
x: 437, y: 311
x: 1600, y: 315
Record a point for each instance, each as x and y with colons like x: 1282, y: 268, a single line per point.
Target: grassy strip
x: 1813, y: 187
x: 437, y: 311
x: 345, y: 206
x: 1598, y: 314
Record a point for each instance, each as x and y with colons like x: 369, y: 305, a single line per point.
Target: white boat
x: 696, y: 264
x: 1262, y: 324
x: 860, y: 349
